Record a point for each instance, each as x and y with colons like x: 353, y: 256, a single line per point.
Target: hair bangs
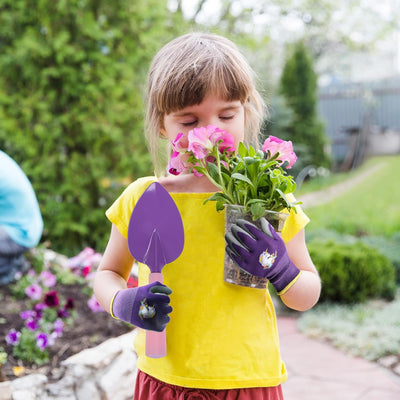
x: 189, y: 86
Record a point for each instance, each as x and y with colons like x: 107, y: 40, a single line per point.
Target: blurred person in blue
x: 21, y: 222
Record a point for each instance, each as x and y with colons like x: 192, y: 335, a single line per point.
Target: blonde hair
x: 188, y: 68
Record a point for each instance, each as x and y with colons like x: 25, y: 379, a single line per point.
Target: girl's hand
x: 146, y: 307
x: 261, y: 253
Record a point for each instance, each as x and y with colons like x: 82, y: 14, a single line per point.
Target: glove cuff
x: 112, y: 304
x: 289, y: 285
x: 284, y: 277
x: 122, y: 304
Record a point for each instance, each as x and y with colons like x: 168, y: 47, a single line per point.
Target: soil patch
x: 89, y: 330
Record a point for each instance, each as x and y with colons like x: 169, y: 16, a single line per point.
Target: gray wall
x: 346, y: 106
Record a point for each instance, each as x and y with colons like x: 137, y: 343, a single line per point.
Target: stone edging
x: 105, y: 372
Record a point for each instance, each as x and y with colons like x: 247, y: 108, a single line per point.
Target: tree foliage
x: 71, y: 104
x: 330, y: 28
x: 298, y: 86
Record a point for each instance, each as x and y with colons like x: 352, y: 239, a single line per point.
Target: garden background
x: 71, y: 114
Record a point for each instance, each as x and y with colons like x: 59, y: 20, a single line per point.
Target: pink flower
x: 27, y: 314
x: 48, y: 279
x: 86, y: 271
x: 284, y: 148
x: 177, y: 163
x: 34, y: 291
x: 199, y: 142
x: 58, y: 326
x: 95, y: 259
x: 94, y: 305
x: 81, y: 258
x: 181, y: 143
x: 202, y: 140
x: 226, y: 139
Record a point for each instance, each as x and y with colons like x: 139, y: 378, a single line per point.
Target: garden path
x: 324, y: 196
x: 318, y: 371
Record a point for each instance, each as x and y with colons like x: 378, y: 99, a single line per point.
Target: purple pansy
x: 13, y: 337
x: 42, y: 340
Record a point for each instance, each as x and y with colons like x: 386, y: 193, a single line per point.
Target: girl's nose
x: 210, y: 121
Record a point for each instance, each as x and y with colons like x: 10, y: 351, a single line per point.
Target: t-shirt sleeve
x: 295, y: 221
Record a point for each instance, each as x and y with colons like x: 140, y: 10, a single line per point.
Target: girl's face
x: 227, y: 115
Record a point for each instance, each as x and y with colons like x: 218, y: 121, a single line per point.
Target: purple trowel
x: 155, y: 238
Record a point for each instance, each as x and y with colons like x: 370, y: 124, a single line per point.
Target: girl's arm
x: 114, y: 269
x: 306, y: 290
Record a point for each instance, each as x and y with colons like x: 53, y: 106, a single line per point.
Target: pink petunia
x: 48, y: 279
x: 58, y: 326
x: 34, y: 291
x: 80, y: 259
x: 227, y: 141
x: 177, y: 163
x: 86, y: 271
x: 27, y: 314
x: 199, y: 141
x: 94, y: 305
x: 180, y: 143
x: 284, y: 148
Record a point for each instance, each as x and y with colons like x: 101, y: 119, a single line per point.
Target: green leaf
x: 260, y: 154
x: 243, y: 178
x: 260, y: 201
x: 202, y: 170
x: 250, y: 160
x: 220, y: 206
x: 252, y: 151
x: 218, y: 197
x: 257, y: 210
x: 214, y: 172
x: 242, y: 151
x: 226, y: 178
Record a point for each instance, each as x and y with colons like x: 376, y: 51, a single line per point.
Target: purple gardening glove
x: 261, y: 253
x: 146, y: 307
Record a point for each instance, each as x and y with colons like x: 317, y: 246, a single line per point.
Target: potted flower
x: 252, y: 183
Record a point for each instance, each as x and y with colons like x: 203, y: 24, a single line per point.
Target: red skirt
x: 149, y: 388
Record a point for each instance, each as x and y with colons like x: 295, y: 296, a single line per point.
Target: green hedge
x: 71, y: 104
x: 352, y: 273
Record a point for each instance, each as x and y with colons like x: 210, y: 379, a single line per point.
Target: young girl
x: 222, y: 340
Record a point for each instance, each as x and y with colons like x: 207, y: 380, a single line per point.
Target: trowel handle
x: 156, y: 342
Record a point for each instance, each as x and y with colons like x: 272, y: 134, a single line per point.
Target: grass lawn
x: 369, y: 208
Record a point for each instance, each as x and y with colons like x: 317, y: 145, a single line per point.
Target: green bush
x: 298, y: 86
x: 71, y: 112
x: 389, y: 246
x: 352, y: 273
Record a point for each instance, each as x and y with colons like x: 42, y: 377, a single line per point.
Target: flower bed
x: 51, y: 314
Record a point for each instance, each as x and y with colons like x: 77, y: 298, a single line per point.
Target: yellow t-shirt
x: 221, y: 336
